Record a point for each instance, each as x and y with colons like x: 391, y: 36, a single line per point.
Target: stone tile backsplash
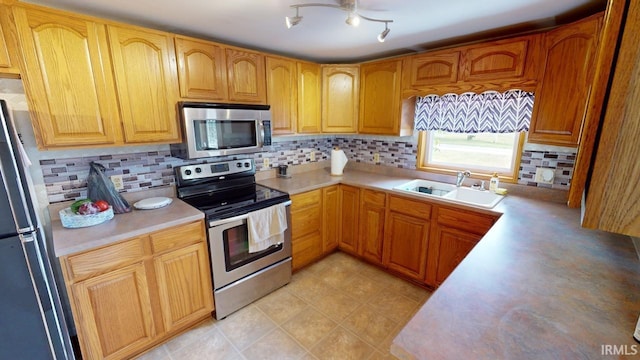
x: 561, y: 162
x: 65, y: 179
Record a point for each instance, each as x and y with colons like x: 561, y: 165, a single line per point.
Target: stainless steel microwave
x: 214, y: 129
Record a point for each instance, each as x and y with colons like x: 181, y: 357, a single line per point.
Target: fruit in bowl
x: 88, y: 207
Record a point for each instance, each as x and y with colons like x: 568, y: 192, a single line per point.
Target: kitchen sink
x: 450, y: 192
x: 426, y: 188
x: 485, y: 199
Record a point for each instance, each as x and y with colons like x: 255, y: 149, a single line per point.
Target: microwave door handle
x: 261, y: 134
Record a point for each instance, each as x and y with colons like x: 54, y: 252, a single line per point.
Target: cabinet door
x: 245, y: 71
x: 282, y: 94
x: 8, y: 46
x: 372, y: 215
x: 330, y: 218
x: 201, y: 69
x: 438, y: 68
x: 340, y: 88
x: 68, y: 79
x: 349, y: 206
x: 563, y: 90
x: 306, y: 228
x: 309, y: 95
x: 114, y: 313
x: 454, y: 246
x: 380, y: 98
x: 184, y: 285
x: 406, y: 244
x: 146, y: 79
x: 505, y: 59
x: 613, y: 198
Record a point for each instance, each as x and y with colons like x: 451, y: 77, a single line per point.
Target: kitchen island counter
x: 536, y: 286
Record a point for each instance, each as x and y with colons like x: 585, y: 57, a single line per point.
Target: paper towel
x: 338, y: 161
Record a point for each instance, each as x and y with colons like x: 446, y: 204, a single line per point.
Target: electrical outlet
x: 312, y: 156
x: 117, y: 182
x: 376, y: 158
x: 265, y: 162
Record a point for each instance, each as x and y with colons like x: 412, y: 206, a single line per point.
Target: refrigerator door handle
x: 27, y: 237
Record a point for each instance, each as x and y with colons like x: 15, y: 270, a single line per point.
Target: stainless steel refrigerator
x: 32, y: 324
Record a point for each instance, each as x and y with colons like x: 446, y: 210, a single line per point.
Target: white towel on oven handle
x: 266, y: 227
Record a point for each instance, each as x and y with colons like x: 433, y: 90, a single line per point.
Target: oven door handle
x: 237, y: 218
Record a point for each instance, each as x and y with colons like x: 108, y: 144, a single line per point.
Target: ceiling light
x: 348, y: 6
x: 293, y: 21
x: 384, y: 33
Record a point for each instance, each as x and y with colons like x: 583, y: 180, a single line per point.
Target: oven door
x: 229, y: 247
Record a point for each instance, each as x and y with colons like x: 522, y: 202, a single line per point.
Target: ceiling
x: 323, y: 36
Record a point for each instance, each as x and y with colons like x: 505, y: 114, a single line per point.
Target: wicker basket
x: 72, y: 221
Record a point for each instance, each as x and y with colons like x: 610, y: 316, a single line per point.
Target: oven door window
x: 236, y: 248
x: 225, y: 134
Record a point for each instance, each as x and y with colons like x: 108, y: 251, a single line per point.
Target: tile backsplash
x: 65, y: 178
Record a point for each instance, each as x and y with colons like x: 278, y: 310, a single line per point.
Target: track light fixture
x: 348, y: 6
x: 293, y: 21
x: 384, y: 33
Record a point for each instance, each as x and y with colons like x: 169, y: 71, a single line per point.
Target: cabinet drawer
x: 306, y: 249
x: 410, y: 207
x: 464, y: 220
x: 101, y: 260
x: 306, y: 221
x: 177, y: 237
x: 309, y: 198
x: 376, y: 198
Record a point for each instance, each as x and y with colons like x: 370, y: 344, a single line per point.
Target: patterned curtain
x: 491, y: 111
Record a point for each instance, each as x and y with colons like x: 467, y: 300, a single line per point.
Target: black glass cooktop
x: 238, y: 201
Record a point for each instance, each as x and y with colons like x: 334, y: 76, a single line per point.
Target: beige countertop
x: 122, y: 226
x: 536, y: 286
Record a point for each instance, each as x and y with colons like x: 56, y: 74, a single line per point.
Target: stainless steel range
x: 227, y: 193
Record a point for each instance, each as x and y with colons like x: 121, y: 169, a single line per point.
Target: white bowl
x: 72, y: 221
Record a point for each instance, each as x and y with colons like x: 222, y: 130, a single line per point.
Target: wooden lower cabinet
x: 330, y: 218
x: 306, y: 228
x: 372, y: 215
x: 407, y: 237
x: 454, y: 234
x: 454, y: 245
x: 349, y: 206
x: 130, y: 296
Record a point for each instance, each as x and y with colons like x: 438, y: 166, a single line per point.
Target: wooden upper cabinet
x: 282, y: 94
x: 246, y: 75
x: 340, y: 87
x: 8, y: 46
x: 565, y: 84
x: 68, y: 79
x: 505, y: 59
x: 309, y: 97
x: 201, y: 69
x: 433, y: 68
x: 380, y: 99
x: 146, y: 79
x: 613, y: 197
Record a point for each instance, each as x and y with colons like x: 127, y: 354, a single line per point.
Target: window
x: 481, y: 153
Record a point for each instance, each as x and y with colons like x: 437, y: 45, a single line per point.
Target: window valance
x: 490, y: 111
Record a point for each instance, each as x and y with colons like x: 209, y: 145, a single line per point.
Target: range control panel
x: 216, y: 170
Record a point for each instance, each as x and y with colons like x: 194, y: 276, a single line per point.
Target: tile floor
x: 338, y: 308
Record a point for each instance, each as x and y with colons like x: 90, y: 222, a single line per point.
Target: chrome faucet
x: 461, y: 176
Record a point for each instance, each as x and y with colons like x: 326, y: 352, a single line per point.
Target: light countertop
x: 536, y: 286
x: 122, y: 226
